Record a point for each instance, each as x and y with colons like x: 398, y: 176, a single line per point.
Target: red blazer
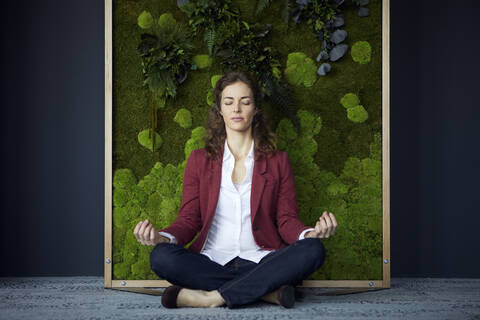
x: 273, y: 201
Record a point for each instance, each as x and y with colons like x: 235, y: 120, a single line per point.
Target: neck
x: 240, y: 143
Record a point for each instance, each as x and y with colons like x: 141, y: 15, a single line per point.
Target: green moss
x: 166, y: 21
x: 183, y: 118
x: 355, y: 252
x: 210, y: 98
x: 145, y: 140
x: 310, y: 124
x: 202, y: 61
x: 139, y: 196
x: 145, y: 20
x: 361, y: 52
x: 120, y: 197
x: 371, y: 167
x: 376, y: 147
x: 350, y: 100
x: 286, y: 130
x: 121, y: 270
x: 157, y: 196
x: 276, y: 73
x: 300, y: 69
x: 124, y: 178
x: 352, y: 168
x: 337, y: 188
x: 214, y: 79
x: 357, y: 114
x: 196, y: 141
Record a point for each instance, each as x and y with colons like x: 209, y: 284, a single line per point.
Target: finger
x: 323, y: 228
x: 334, y: 220
x: 329, y: 226
x: 146, y: 234
x: 137, y: 228
x: 152, y: 234
x: 142, y: 229
x: 318, y: 228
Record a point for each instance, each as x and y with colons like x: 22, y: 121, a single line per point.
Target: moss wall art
x: 320, y: 66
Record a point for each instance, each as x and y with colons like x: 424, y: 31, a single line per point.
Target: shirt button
x: 263, y: 246
x: 255, y: 228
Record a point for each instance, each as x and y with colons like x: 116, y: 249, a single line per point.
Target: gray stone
x: 363, y: 12
x: 339, y: 21
x: 323, y: 55
x: 303, y: 2
x: 324, y: 69
x: 338, y: 36
x: 181, y: 2
x: 338, y: 51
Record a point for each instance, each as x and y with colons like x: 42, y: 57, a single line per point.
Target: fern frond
x: 262, y: 4
x: 209, y: 38
x: 286, y: 13
x: 281, y: 97
x: 180, y: 37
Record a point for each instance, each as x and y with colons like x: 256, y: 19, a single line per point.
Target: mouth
x: 237, y: 119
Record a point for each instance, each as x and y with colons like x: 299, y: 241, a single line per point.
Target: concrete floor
x: 86, y: 298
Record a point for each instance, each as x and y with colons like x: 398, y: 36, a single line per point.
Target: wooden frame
x: 362, y: 284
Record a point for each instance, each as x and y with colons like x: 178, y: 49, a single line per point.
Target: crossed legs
x: 208, y: 283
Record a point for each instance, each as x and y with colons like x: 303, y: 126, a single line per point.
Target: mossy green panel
x: 337, y: 162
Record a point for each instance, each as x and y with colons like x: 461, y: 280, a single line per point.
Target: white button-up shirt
x: 230, y: 233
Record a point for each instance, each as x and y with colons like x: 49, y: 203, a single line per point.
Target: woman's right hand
x: 147, y: 235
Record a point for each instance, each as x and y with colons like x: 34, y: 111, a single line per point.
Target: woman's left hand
x: 325, y: 226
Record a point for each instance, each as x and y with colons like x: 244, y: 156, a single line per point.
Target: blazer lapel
x: 215, y: 179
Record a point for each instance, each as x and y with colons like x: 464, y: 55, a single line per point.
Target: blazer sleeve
x: 188, y: 222
x: 289, y: 224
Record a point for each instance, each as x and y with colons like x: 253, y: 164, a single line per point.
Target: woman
x: 239, y: 193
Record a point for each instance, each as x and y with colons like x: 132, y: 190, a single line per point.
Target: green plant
x: 210, y: 15
x: 350, y: 100
x: 262, y: 4
x: 249, y: 50
x: 355, y: 111
x: 300, y: 69
x: 165, y: 51
x: 202, y: 61
x: 157, y: 196
x: 354, y: 196
x: 319, y: 14
x: 145, y: 139
x: 213, y: 82
x: 145, y: 20
x: 357, y: 114
x: 184, y: 118
x: 214, y: 79
x: 166, y: 54
x: 361, y: 52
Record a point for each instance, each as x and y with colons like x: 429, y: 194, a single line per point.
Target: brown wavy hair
x: 264, y: 138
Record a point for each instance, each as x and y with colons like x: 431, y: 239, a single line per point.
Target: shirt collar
x: 227, y: 154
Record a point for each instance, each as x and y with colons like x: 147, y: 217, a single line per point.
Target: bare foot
x: 199, y: 298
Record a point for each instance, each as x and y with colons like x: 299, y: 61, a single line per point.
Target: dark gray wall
x: 52, y: 135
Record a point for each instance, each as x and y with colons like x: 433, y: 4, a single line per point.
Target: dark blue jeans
x: 240, y: 281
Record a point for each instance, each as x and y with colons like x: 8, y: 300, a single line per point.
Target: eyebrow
x: 240, y: 98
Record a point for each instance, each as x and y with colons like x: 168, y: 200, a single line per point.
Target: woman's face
x: 237, y: 106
